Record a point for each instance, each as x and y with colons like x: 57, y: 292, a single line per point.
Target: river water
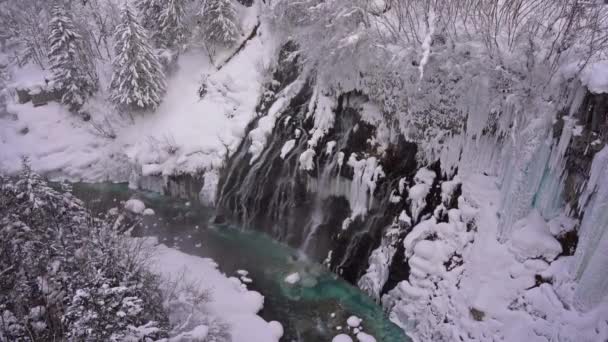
x: 312, y: 310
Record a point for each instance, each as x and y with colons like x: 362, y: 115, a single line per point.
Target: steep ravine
x: 353, y: 207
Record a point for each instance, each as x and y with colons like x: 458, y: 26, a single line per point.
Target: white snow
x: 532, y: 239
x: 595, y: 77
x: 265, y: 125
x: 354, y: 321
x: 363, y: 337
x: 148, y: 212
x: 135, y: 206
x: 323, y: 117
x: 277, y: 329
x: 185, y: 133
x: 494, y: 280
x: 342, y: 338
x: 287, y: 147
x: 232, y: 303
x: 292, y: 278
x: 307, y: 160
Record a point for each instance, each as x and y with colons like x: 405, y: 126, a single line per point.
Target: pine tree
x: 73, y: 72
x: 219, y: 22
x: 171, y: 31
x: 138, y: 80
x: 149, y: 13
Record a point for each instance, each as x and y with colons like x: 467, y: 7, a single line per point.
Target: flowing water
x: 312, y: 310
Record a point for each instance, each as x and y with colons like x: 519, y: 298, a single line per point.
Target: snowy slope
x: 185, y: 134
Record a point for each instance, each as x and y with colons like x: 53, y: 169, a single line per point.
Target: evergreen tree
x: 73, y: 72
x: 138, y: 80
x: 171, y: 31
x: 219, y: 22
x: 149, y: 13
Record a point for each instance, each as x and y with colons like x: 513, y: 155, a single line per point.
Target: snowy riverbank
x: 229, y: 299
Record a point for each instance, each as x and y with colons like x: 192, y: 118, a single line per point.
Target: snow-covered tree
x: 68, y: 275
x: 219, y: 22
x: 171, y: 31
x: 73, y: 73
x: 138, y: 80
x: 149, y: 13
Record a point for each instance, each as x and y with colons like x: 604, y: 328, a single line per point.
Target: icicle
x: 591, y: 256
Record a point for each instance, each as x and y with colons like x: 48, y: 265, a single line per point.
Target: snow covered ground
x: 230, y: 301
x: 186, y: 133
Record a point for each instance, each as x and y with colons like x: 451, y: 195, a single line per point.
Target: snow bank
x: 232, y: 303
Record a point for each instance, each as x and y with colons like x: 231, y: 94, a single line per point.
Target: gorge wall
x: 326, y: 173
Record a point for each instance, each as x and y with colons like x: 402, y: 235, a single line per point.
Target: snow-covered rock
x: 533, y: 239
x: 363, y: 337
x: 293, y: 278
x: 354, y: 321
x: 342, y: 338
x: 135, y: 206
x: 277, y: 329
x: 148, y: 212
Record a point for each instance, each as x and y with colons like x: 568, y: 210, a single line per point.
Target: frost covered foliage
x: 219, y: 22
x: 171, y: 31
x: 138, y: 81
x: 24, y: 27
x: 149, y: 13
x: 66, y: 275
x: 436, y: 66
x: 73, y: 73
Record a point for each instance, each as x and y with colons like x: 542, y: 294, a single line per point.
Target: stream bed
x: 313, y: 310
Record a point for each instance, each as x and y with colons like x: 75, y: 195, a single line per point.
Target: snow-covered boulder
x: 354, y: 321
x: 363, y: 337
x: 532, y: 239
x: 342, y: 338
x: 148, y: 212
x: 293, y: 278
x: 135, y: 206
x: 277, y: 329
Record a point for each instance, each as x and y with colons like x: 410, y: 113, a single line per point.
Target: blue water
x: 310, y: 311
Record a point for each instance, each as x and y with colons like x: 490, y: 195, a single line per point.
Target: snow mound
x: 293, y: 278
x: 363, y: 337
x: 354, y: 321
x: 532, y: 239
x: 148, y: 212
x: 342, y: 338
x: 277, y: 329
x: 135, y: 206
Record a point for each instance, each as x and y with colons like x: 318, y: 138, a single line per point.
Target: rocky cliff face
x: 348, y: 189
